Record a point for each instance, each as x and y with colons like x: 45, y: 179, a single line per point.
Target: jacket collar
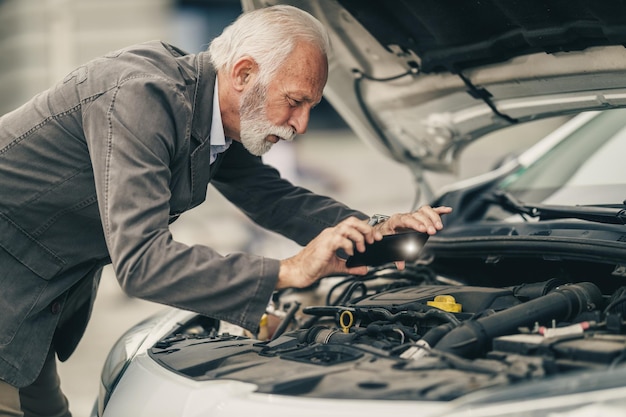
x: 203, y: 98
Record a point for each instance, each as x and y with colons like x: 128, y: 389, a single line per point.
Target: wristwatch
x: 377, y: 218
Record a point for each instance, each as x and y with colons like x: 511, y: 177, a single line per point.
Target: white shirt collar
x: 219, y: 143
x: 217, y: 128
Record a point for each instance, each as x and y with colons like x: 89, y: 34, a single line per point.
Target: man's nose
x: 300, y: 119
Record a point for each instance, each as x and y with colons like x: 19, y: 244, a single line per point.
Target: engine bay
x: 408, y: 335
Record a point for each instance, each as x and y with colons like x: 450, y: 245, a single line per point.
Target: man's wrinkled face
x: 255, y: 126
x: 281, y: 109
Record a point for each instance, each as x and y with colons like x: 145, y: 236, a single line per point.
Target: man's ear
x: 243, y: 72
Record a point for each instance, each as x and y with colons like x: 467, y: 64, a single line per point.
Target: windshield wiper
x: 598, y: 214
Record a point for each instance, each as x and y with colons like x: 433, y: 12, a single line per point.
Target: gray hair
x: 268, y: 36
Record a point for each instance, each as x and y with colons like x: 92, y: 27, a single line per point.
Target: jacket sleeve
x: 132, y: 135
x: 274, y: 203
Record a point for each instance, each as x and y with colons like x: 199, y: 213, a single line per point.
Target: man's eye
x: 293, y: 103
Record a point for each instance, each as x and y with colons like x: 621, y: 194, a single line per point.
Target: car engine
x: 408, y: 335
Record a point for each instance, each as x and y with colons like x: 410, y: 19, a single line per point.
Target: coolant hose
x: 474, y: 337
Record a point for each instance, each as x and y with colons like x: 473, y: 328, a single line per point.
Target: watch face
x: 377, y: 218
x: 392, y: 248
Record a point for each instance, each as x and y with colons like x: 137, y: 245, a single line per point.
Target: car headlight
x: 118, y: 359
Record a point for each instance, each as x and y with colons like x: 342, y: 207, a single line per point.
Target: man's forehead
x: 305, y: 95
x: 306, y: 85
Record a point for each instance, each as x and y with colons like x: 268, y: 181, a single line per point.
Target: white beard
x: 254, y: 126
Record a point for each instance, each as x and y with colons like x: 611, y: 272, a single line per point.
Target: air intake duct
x: 473, y: 338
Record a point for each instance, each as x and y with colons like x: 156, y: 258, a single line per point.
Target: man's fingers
x: 357, y: 233
x: 429, y: 218
x: 443, y: 209
x: 426, y: 220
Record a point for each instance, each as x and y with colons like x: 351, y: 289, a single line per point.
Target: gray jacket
x: 93, y: 170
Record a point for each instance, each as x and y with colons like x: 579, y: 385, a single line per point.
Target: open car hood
x: 420, y: 80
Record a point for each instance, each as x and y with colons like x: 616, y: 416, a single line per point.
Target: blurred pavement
x: 333, y: 163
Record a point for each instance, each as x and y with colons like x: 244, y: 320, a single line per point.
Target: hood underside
x: 421, y: 80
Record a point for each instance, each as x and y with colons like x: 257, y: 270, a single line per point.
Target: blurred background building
x: 42, y: 40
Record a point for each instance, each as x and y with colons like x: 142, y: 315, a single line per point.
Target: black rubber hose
x: 434, y: 335
x: 530, y: 291
x: 473, y: 338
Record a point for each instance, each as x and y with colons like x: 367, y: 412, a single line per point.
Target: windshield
x: 586, y: 168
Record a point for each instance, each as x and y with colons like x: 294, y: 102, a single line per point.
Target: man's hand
x: 426, y: 219
x: 319, y: 257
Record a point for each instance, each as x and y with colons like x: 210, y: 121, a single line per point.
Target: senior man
x: 93, y: 171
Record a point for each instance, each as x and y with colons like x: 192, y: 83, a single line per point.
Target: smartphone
x: 404, y: 246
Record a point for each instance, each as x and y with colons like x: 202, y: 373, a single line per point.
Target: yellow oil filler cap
x: 445, y: 303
